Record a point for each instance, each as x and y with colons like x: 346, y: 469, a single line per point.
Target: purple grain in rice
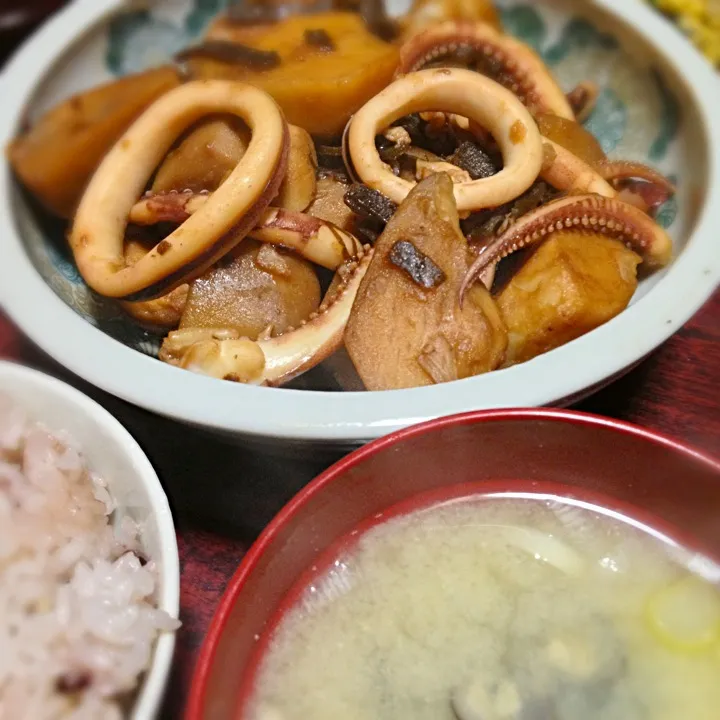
x: 78, y: 617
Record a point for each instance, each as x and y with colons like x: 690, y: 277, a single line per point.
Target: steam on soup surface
x: 500, y: 608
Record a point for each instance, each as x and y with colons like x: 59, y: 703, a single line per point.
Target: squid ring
x: 465, y: 93
x: 228, y: 215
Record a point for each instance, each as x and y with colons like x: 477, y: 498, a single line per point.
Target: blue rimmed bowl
x: 658, y: 102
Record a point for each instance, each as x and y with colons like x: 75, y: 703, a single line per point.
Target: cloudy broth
x: 507, y: 607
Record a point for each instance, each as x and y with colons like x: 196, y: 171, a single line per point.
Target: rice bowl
x: 88, y: 589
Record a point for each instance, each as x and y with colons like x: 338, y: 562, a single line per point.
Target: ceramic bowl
x: 659, y: 104
x: 669, y: 487
x: 113, y: 453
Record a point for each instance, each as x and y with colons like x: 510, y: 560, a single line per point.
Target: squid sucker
x: 615, y: 170
x: 502, y: 57
x: 316, y: 240
x: 592, y: 213
x: 221, y: 353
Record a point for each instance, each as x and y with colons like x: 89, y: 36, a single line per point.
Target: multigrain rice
x: 78, y: 618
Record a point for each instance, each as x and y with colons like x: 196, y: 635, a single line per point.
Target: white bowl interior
x: 113, y: 453
x: 656, y: 106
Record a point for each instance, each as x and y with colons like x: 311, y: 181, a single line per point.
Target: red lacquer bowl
x: 644, y: 475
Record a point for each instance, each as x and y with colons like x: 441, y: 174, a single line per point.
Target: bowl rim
x: 569, y: 372
x: 155, y: 679
x: 203, y: 666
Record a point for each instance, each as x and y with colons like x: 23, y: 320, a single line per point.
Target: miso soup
x: 512, y: 607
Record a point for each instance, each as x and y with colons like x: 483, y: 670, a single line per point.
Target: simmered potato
x: 57, y: 157
x: 574, y: 283
x: 317, y: 87
x: 212, y: 148
x: 247, y: 20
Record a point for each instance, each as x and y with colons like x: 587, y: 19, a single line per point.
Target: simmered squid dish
x: 317, y: 176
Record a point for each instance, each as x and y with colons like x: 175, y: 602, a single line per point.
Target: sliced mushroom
x: 406, y: 328
x: 226, y: 51
x: 369, y: 203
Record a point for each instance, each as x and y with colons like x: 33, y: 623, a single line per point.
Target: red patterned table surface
x: 222, y: 496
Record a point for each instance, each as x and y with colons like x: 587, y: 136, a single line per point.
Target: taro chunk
x: 252, y: 289
x: 205, y: 157
x: 406, y: 328
x: 572, y: 284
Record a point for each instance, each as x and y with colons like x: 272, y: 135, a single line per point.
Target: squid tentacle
x: 567, y: 172
x: 271, y: 360
x: 316, y: 240
x: 518, y: 66
x: 592, y: 213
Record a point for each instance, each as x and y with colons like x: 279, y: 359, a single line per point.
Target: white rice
x: 78, y: 619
